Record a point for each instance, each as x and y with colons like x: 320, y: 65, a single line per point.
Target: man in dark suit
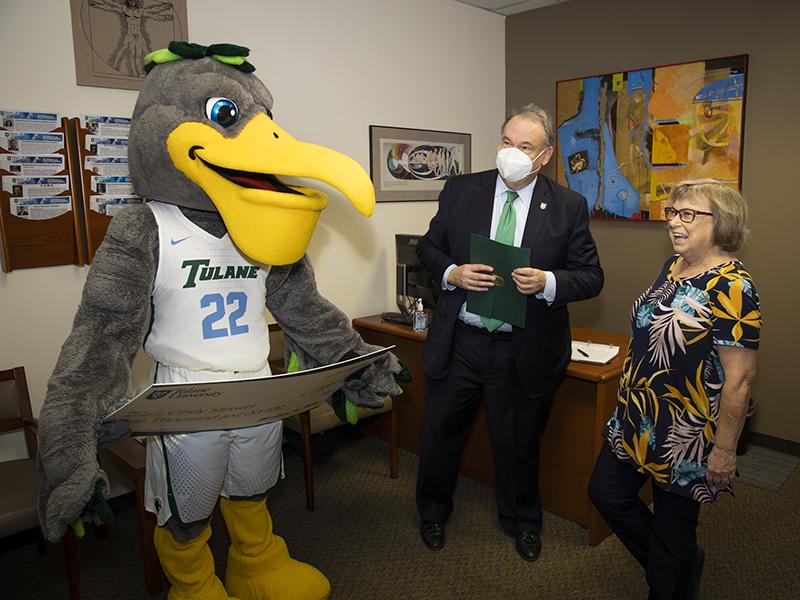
x: 514, y: 369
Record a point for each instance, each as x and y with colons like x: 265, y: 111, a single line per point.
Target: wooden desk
x: 571, y: 440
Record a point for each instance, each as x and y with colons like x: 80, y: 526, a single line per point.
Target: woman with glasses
x: 684, y: 390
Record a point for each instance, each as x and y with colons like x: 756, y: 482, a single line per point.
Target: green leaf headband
x: 230, y: 54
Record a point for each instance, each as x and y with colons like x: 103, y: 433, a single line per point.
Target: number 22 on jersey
x: 234, y: 306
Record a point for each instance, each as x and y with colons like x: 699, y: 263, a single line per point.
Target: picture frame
x: 411, y: 165
x: 624, y: 139
x: 111, y: 38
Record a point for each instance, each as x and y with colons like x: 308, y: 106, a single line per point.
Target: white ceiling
x: 509, y: 7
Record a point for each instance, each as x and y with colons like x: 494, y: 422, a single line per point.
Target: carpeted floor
x: 363, y: 536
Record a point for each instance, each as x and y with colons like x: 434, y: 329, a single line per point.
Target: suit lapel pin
x: 543, y: 205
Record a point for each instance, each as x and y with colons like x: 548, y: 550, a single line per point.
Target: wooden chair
x: 322, y: 418
x: 20, y: 480
x: 18, y: 502
x: 129, y: 457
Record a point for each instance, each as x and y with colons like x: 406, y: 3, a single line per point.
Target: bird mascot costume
x: 189, y: 276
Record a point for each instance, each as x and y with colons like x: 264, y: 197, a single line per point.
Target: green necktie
x: 506, y: 229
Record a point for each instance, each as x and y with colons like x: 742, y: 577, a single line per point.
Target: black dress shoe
x: 433, y: 535
x: 528, y: 544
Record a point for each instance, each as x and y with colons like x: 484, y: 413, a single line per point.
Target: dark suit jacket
x: 560, y: 241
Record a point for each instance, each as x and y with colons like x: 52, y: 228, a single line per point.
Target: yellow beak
x: 270, y: 222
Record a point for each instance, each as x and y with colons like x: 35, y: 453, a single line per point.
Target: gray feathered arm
x: 93, y: 369
x: 320, y: 334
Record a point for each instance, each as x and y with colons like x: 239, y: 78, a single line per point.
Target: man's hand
x: 472, y: 277
x: 529, y: 280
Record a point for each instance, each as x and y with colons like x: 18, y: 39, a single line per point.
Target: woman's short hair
x: 727, y: 204
x: 536, y: 114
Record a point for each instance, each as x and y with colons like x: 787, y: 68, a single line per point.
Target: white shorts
x: 186, y: 473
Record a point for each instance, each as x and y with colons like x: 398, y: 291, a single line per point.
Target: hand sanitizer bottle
x: 420, y: 317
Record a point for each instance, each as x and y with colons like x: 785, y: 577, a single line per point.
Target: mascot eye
x: 222, y: 111
x: 269, y: 113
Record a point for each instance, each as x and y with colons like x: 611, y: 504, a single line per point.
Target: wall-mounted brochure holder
x: 104, y: 177
x: 40, y: 207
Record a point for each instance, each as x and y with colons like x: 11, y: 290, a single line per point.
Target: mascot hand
x: 112, y: 431
x: 97, y: 511
x: 370, y: 386
x: 404, y: 375
x: 348, y: 412
x: 69, y: 479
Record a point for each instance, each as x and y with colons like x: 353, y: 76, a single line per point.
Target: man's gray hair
x: 536, y: 114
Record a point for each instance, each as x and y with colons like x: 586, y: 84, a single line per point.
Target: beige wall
x: 588, y: 37
x: 334, y: 69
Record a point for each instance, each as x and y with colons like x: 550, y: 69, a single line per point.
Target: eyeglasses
x: 686, y: 215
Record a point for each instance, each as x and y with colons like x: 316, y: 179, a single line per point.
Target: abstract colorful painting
x: 624, y: 139
x: 414, y: 164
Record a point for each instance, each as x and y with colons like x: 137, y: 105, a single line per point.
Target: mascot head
x: 203, y: 137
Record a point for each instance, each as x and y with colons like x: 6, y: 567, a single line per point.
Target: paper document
x: 231, y: 404
x: 32, y: 164
x: 598, y: 354
x: 106, y: 125
x: 26, y: 142
x: 503, y: 301
x: 40, y: 209
x: 23, y: 120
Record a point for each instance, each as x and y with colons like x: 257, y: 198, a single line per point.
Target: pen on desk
x: 582, y: 352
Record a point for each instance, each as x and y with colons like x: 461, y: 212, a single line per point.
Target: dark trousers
x: 663, y: 541
x: 482, y: 367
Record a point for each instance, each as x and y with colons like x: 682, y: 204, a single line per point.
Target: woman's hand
x: 721, y: 470
x: 739, y: 365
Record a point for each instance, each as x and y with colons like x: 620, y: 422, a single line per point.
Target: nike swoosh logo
x: 175, y: 242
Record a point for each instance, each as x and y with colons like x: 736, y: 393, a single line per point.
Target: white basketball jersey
x: 209, y: 307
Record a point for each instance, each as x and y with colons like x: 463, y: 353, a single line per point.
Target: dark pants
x: 663, y: 541
x: 482, y: 367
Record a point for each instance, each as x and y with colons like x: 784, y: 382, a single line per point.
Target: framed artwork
x: 112, y: 37
x: 624, y: 139
x: 413, y: 164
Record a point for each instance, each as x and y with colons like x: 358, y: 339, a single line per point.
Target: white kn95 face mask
x: 515, y: 165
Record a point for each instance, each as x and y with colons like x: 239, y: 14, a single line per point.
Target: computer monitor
x: 412, y: 280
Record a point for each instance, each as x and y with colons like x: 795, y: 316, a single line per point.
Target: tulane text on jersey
x: 206, y: 272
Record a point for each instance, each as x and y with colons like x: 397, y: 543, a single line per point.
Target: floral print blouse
x: 665, y: 420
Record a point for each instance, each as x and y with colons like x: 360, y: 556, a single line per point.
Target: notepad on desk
x: 598, y: 354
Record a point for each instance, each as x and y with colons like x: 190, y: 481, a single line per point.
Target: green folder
x: 503, y: 301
